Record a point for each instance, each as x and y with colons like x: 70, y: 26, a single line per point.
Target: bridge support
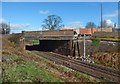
x: 22, y: 43
x: 75, y: 48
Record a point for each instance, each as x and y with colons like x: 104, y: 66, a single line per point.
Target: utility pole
x: 9, y: 24
x: 9, y: 27
x: 101, y: 17
x: 84, y: 47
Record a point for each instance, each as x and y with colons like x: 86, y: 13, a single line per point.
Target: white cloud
x: 19, y: 26
x: 114, y: 14
x: 44, y: 11
x: 2, y: 20
x: 76, y: 24
x: 109, y: 23
x: 15, y: 26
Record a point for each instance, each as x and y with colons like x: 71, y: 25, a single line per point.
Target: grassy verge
x: 107, y: 39
x: 19, y: 70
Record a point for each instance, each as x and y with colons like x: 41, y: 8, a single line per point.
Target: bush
x: 14, y: 38
x: 95, y: 42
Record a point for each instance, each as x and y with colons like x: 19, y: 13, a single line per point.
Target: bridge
x: 58, y: 41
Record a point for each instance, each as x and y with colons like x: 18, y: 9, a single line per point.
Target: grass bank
x: 26, y: 66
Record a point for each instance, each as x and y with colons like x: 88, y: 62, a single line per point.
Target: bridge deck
x: 49, y: 35
x: 49, y: 38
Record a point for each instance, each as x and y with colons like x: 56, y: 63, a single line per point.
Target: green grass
x: 34, y: 41
x: 26, y: 71
x: 95, y: 42
x: 107, y: 39
x: 22, y: 70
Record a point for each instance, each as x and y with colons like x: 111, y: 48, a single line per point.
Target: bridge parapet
x: 50, y: 35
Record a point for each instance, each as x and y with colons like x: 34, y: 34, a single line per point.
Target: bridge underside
x: 58, y: 46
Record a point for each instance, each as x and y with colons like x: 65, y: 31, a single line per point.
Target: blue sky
x: 29, y: 15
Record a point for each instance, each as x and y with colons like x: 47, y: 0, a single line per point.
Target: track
x: 94, y: 70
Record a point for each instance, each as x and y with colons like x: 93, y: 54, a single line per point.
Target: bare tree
x: 4, y: 28
x: 52, y: 22
x: 90, y: 25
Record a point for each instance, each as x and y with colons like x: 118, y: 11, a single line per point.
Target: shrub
x: 14, y: 38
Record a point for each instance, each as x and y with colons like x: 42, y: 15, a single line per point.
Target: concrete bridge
x: 59, y: 41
